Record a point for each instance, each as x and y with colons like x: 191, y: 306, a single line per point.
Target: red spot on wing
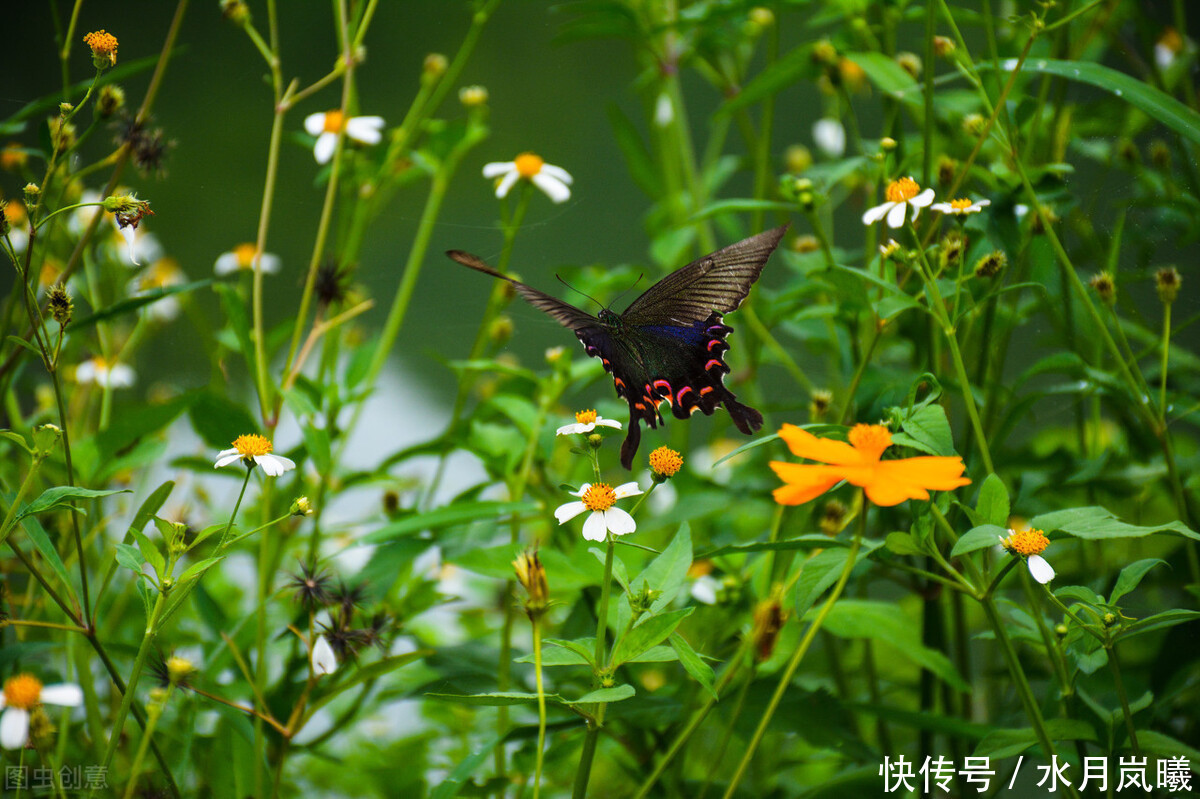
x: 705, y: 390
x: 714, y: 342
x: 663, y: 385
x: 679, y: 396
x: 714, y: 362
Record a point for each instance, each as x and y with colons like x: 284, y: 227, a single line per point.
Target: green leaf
x: 1003, y: 744
x: 130, y: 557
x: 603, y: 696
x: 822, y: 571
x: 150, y: 553
x: 1098, y: 524
x: 1164, y: 746
x: 886, y: 74
x: 1159, y: 621
x: 993, y: 503
x: 667, y: 572
x: 459, y: 513
x: 650, y: 631
x: 458, y: 779
x: 17, y: 439
x: 903, y: 544
x: 556, y: 656
x: 982, y: 537
x: 371, y: 671
x: 239, y: 320
x: 812, y: 541
x: 133, y: 303
x: 638, y: 160
x: 929, y: 427
x: 59, y: 496
x: 741, y: 205
x: 152, y: 504
x: 41, y: 541
x: 1130, y: 576
x: 701, y: 672
x: 786, y: 71
x: 879, y: 621
x: 20, y: 342
x: 219, y: 420
x: 1153, y: 102
x: 584, y: 647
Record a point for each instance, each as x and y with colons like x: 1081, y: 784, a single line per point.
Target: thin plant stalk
x: 536, y: 620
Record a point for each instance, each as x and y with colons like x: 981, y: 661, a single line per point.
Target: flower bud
x: 665, y: 463
x: 819, y: 402
x: 473, y: 96
x: 910, y: 63
x: 943, y: 46
x: 235, y: 11
x: 104, y: 48
x: 60, y: 305
x: 1105, y: 287
x: 833, y: 517
x: 46, y: 438
x: 33, y: 193
x: 805, y: 243
x: 768, y: 621
x: 1166, y: 283
x: 798, y: 158
x: 532, y: 577
x: 301, y: 507
x: 434, y: 66
x: 991, y: 264
x: 110, y: 101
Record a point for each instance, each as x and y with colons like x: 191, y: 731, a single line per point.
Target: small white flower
x: 960, y: 207
x: 1028, y: 543
x: 552, y: 180
x: 327, y: 126
x: 254, y: 449
x: 104, y: 374
x: 323, y: 659
x: 830, y: 137
x: 242, y: 257
x: 604, y: 519
x: 586, y: 422
x: 21, y: 695
x: 901, y: 194
x: 162, y: 273
x: 705, y: 589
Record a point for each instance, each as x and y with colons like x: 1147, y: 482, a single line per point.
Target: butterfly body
x: 669, y: 344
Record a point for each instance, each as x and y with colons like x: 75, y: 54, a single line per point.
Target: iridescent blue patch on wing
x: 692, y: 335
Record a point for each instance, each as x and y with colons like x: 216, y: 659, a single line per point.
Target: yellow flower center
x: 528, y: 164
x: 161, y: 273
x: 1171, y: 40
x: 960, y: 204
x: 23, y: 691
x: 585, y: 417
x: 334, y: 121
x: 665, y: 461
x: 102, y: 43
x: 599, y: 497
x: 902, y: 190
x: 870, y: 440
x: 1026, y: 541
x: 245, y: 253
x: 252, y: 445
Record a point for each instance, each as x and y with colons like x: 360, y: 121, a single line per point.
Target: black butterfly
x: 669, y: 344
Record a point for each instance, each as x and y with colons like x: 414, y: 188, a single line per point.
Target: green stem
x: 238, y: 504
x: 131, y: 687
x: 1120, y: 685
x: 536, y: 619
x: 1162, y: 378
x: 153, y: 712
x: 809, y: 636
x: 584, y: 773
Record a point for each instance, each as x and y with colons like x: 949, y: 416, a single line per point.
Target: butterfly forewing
x: 717, y: 282
x: 568, y: 315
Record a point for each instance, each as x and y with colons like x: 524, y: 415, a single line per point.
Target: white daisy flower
x: 901, y: 194
x: 253, y: 450
x: 104, y: 374
x: 327, y: 126
x: 162, y: 273
x: 604, y: 519
x: 1029, y: 543
x: 586, y: 422
x: 21, y: 695
x: 554, y: 181
x: 960, y: 207
x: 242, y: 257
x: 323, y: 659
x: 830, y: 137
x: 664, y: 110
x: 706, y: 588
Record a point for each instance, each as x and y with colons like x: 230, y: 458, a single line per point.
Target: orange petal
x: 804, y: 444
x: 803, y: 482
x: 936, y: 472
x: 886, y: 493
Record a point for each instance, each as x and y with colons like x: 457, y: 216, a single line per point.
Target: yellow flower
x: 254, y: 450
x: 586, y: 422
x: 242, y: 257
x: 1029, y: 543
x: 104, y: 48
x: 665, y: 462
x: 599, y: 498
x: 886, y: 483
x: 960, y: 206
x: 901, y: 194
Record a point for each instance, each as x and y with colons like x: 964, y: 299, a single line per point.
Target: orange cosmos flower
x: 886, y: 483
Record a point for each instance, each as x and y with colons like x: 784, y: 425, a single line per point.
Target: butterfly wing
x: 717, y: 282
x: 566, y: 314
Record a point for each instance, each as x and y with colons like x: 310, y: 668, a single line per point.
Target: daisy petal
x: 129, y: 233
x: 63, y: 694
x: 498, y: 168
x: 14, y: 728
x: 1042, y: 571
x: 567, y: 512
x: 620, y: 522
x: 227, y: 263
x: 921, y: 200
x: 368, y: 130
x: 895, y: 217
x: 268, y: 262
x: 506, y: 184
x: 554, y: 188
x: 594, y: 528
x: 323, y: 150
x: 228, y: 459
x: 569, y: 429
x: 225, y: 452
x: 629, y: 489
x: 323, y: 659
x: 608, y: 423
x: 558, y: 172
x: 314, y: 124
x: 873, y: 215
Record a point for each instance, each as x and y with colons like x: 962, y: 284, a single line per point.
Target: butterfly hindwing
x: 670, y: 343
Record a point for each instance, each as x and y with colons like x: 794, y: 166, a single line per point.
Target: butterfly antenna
x: 577, y: 291
x: 626, y: 291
